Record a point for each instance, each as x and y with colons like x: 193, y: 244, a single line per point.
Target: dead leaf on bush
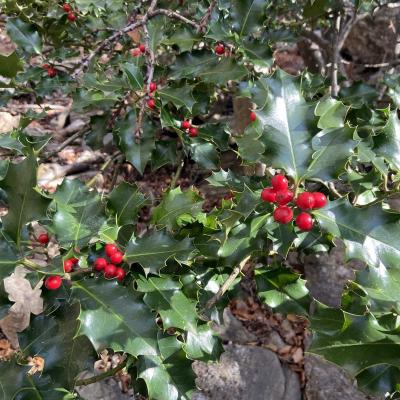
x: 27, y: 301
x: 36, y: 363
x: 6, y: 351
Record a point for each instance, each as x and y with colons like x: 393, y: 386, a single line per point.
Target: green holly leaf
x: 184, y: 38
x: 205, y: 155
x: 178, y: 96
x: 133, y: 75
x: 10, y: 65
x: 331, y: 113
x: 126, y: 200
x: 227, y: 179
x: 174, y: 204
x: 79, y: 213
x: 108, y: 322
x: 247, y: 15
x: 251, y: 148
x: 25, y: 202
x: 153, y: 251
x: 8, y: 257
x: 24, y: 35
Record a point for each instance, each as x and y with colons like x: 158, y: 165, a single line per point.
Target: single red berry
x: 52, y: 282
x: 100, y: 264
x: 153, y: 87
x: 74, y: 260
x: 219, y: 49
x: 185, y: 125
x: 193, y: 132
x: 253, y: 116
x: 51, y: 72
x: 279, y: 182
x: 320, y: 200
x: 305, y: 200
x: 151, y: 103
x: 284, y: 196
x: 43, y: 238
x: 116, y: 258
x: 283, y: 214
x: 135, y: 52
x: 110, y: 249
x: 110, y: 271
x: 269, y: 195
x: 142, y: 48
x: 120, y: 274
x: 67, y: 7
x: 304, y: 221
x: 68, y: 265
x: 71, y: 16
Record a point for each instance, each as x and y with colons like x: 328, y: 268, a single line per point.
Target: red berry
x: 74, y: 260
x: 68, y: 265
x: 153, y: 87
x: 117, y: 257
x: 151, y: 103
x: 193, y: 132
x: 52, y: 282
x: 110, y: 271
x: 279, y: 182
x: 135, y: 52
x: 284, y: 196
x: 320, y: 200
x: 110, y: 249
x: 283, y: 214
x: 142, y: 48
x: 120, y: 274
x: 253, y: 116
x: 185, y: 125
x: 268, y: 194
x: 67, y: 7
x: 304, y: 221
x: 45, y: 66
x: 71, y: 16
x: 100, y: 264
x: 305, y: 200
x: 219, y: 49
x: 51, y: 72
x: 43, y: 238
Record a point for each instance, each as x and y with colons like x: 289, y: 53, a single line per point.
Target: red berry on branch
x: 66, y: 7
x: 193, y: 132
x: 68, y: 265
x: 71, y: 16
x: 110, y: 271
x: 151, y: 103
x: 153, y: 87
x: 51, y: 72
x: 283, y: 214
x: 110, y: 249
x: 120, y: 274
x: 320, y: 200
x: 43, y: 238
x: 100, y: 264
x: 305, y: 200
x: 304, y: 221
x: 219, y: 49
x: 279, y: 182
x: 135, y: 52
x: 253, y: 116
x: 284, y: 196
x: 142, y: 48
x: 74, y: 260
x: 269, y: 195
x: 185, y: 125
x: 52, y: 282
x: 116, y: 258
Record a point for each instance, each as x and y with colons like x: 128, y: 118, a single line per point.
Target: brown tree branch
x: 207, y: 16
x: 100, y: 377
x: 173, y: 14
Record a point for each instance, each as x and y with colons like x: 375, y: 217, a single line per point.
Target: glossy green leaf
x: 331, y: 113
x: 24, y: 35
x: 178, y: 96
x: 133, y: 75
x: 10, y: 65
x: 247, y: 15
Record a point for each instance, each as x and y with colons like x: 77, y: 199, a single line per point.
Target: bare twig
x: 178, y: 172
x: 173, y: 14
x: 207, y: 16
x: 335, y: 57
x: 64, y: 144
x: 100, y: 377
x: 315, y: 38
x: 225, y: 286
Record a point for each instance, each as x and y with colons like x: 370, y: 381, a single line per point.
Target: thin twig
x: 100, y: 377
x: 103, y: 168
x: 207, y: 16
x: 178, y: 172
x: 335, y: 57
x: 225, y: 286
x: 64, y: 144
x: 173, y: 14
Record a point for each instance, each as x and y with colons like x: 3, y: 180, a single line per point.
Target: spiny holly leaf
x: 25, y: 203
x: 24, y: 35
x: 8, y: 257
x: 126, y: 200
x: 205, y: 155
x: 134, y: 76
x: 10, y: 65
x: 387, y: 143
x: 286, y: 119
x: 153, y: 251
x: 184, y: 38
x: 333, y: 148
x: 331, y: 112
x: 227, y: 179
x: 79, y: 213
x: 174, y: 204
x: 178, y: 96
x: 251, y: 148
x: 115, y: 316
x: 247, y: 15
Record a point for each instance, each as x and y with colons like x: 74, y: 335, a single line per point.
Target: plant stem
x: 178, y: 172
x: 335, y: 57
x: 100, y: 377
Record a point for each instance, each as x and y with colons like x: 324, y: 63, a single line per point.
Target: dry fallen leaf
x: 6, y: 351
x: 36, y: 363
x: 27, y: 300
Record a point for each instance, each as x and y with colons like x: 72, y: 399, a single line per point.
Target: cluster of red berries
x: 151, y: 103
x: 138, y: 51
x: 219, y: 49
x: 51, y: 71
x: 110, y: 269
x: 70, y: 14
x: 70, y: 264
x: 281, y: 195
x: 188, y: 127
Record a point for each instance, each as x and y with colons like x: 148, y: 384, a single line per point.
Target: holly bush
x: 149, y: 77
